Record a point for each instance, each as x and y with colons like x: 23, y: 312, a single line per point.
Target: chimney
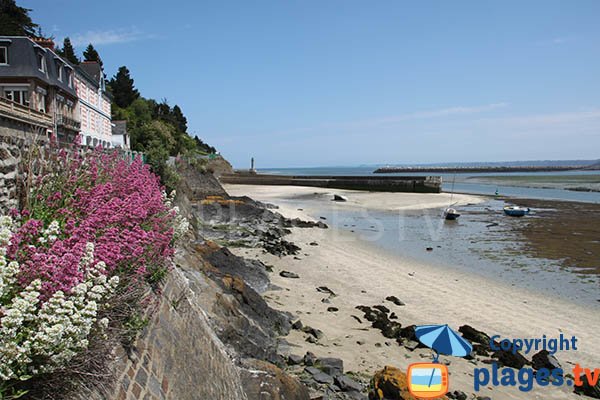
x: 47, y: 43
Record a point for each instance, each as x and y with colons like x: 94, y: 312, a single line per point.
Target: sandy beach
x: 362, y: 274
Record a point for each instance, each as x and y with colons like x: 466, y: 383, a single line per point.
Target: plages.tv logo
x: 430, y: 380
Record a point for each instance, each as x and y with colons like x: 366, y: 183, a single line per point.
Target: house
x: 94, y: 105
x: 37, y: 89
x: 120, y: 137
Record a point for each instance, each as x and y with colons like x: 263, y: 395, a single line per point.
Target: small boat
x: 516, y: 211
x: 451, y: 214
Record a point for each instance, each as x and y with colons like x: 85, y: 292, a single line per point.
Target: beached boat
x: 516, y: 211
x: 451, y: 214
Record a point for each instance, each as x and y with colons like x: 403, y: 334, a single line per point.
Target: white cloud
x: 112, y: 36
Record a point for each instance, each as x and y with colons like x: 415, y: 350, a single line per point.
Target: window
x: 61, y: 72
x: 42, y: 102
x: 3, y: 56
x: 69, y: 78
x: 20, y: 96
x: 41, y: 62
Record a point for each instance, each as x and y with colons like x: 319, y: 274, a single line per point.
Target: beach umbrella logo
x: 430, y: 380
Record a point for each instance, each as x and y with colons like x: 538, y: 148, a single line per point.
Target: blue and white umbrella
x: 443, y: 340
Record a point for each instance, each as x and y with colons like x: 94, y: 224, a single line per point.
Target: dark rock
x: 475, y: 336
x: 354, y: 395
x: 323, y: 378
x: 395, y: 300
x: 347, y: 384
x: 429, y: 249
x: 323, y: 218
x: 325, y: 289
x: 331, y: 366
x: 297, y: 325
x: 318, y: 334
x: 357, y: 319
x: 294, y: 359
x: 381, y: 308
x: 325, y: 300
x: 393, y: 316
x: 339, y: 197
x: 332, y: 309
x: 298, y: 223
x: 313, y: 243
x: 544, y: 359
x: 457, y: 395
x: 310, y: 358
x: 587, y: 388
x: 508, y: 359
x: 311, y: 339
x: 312, y: 370
x: 408, y: 333
x: 287, y: 274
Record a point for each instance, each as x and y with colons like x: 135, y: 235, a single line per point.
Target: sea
x: 483, y: 241
x: 463, y: 182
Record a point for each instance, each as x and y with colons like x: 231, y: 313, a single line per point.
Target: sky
x: 345, y: 82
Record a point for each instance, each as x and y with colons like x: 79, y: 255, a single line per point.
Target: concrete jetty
x: 416, y: 184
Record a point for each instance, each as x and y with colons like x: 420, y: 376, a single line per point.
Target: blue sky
x: 346, y: 82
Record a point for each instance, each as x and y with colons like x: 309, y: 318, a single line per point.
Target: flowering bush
x: 95, y: 222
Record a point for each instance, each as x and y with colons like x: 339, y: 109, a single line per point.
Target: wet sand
x: 361, y: 274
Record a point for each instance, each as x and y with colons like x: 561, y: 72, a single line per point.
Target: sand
x: 361, y: 274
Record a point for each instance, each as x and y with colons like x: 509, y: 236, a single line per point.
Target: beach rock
x: 311, y: 339
x: 323, y: 378
x: 297, y: 325
x: 331, y: 366
x: 393, y: 316
x: 294, y: 359
x: 544, y: 359
x: 395, y: 300
x: 298, y: 223
x: 288, y: 274
x: 475, y: 336
x: 389, y: 384
x: 261, y: 379
x: 411, y: 345
x: 318, y: 334
x: 357, y: 319
x: 310, y: 358
x: 506, y: 358
x: 325, y: 289
x: 408, y: 333
x: 457, y: 395
x: 313, y: 244
x: 347, y: 384
x: 339, y: 197
x: 429, y: 248
x: 381, y: 308
x: 333, y: 309
x: 312, y: 370
x: 587, y: 388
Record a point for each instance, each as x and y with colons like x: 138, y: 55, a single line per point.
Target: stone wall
x: 177, y: 356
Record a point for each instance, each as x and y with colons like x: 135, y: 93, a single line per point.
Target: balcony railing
x: 21, y: 113
x: 68, y: 123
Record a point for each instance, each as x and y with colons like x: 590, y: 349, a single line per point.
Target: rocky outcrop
x: 389, y: 384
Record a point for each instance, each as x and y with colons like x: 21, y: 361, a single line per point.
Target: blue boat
x: 516, y: 211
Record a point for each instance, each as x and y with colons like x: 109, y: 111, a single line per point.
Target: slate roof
x: 22, y: 62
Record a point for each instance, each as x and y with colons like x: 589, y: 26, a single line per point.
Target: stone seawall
x: 417, y: 184
x: 178, y: 355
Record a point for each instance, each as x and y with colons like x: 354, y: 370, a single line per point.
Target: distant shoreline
x: 394, y: 170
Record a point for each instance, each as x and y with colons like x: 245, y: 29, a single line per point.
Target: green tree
x: 123, y: 89
x: 68, y: 52
x: 90, y: 54
x: 15, y: 20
